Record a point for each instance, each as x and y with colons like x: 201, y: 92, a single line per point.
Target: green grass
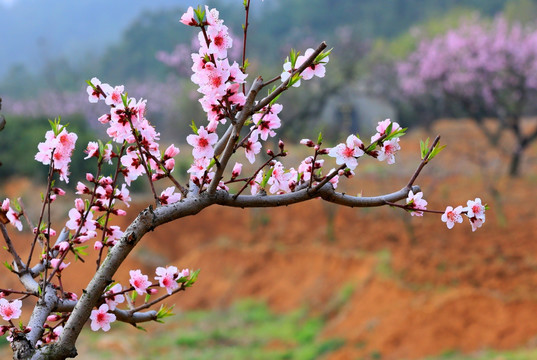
x: 520, y: 354
x: 246, y: 330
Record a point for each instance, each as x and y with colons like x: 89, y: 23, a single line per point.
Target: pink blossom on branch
x: 452, y: 216
x: 348, y: 153
x: 101, y: 318
x: 10, y: 310
x: 139, y: 281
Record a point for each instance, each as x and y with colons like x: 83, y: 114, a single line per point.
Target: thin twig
x: 424, y: 162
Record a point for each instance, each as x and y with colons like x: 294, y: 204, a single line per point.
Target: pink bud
x: 307, y: 142
x: 270, y: 152
x: 58, y: 191
x: 119, y: 212
x: 90, y: 177
x: 5, y: 205
x: 236, y: 170
x: 79, y: 204
x: 98, y: 245
x: 169, y: 164
x: 152, y: 291
x: 281, y: 145
x: 171, y: 151
x: 185, y: 273
x: 53, y: 317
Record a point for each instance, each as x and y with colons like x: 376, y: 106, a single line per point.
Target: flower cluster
x: 475, y: 211
x: 127, y: 125
x: 169, y: 278
x: 57, y: 149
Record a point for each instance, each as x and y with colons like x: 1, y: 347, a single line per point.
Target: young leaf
x: 194, y: 127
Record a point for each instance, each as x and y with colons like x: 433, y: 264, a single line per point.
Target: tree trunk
x: 514, y: 165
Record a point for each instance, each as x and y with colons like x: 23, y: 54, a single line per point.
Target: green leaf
x: 193, y: 278
x: 165, y: 311
x: 321, y: 56
x: 424, y: 147
x: 134, y: 295
x: 396, y: 134
x: 8, y: 266
x: 296, y: 78
x: 320, y: 138
x: 147, y: 297
x: 266, y: 177
x: 79, y: 250
x: 211, y: 164
x: 125, y: 100
x: 436, y: 151
x: 141, y: 328
x: 246, y: 64
x: 194, y: 127
x: 293, y: 55
x: 200, y: 14
x: 90, y: 84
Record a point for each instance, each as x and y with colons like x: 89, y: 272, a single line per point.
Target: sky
x: 33, y: 30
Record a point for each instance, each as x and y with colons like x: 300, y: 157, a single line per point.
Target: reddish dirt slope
x: 416, y: 288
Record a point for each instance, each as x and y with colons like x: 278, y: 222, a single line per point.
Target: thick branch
x: 146, y: 221
x: 327, y: 193
x: 245, y: 113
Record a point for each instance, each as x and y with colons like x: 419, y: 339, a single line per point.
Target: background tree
x: 485, y: 69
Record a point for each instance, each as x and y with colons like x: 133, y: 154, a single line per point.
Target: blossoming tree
x: 487, y: 69
x: 236, y: 121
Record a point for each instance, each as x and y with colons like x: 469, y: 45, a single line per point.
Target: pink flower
x: 348, y: 152
x: 55, y: 263
x: 314, y: 69
x: 476, y: 209
x: 139, y: 281
x: 169, y: 197
x: 415, y: 202
x: 266, y: 121
x: 382, y: 127
x: 114, y: 97
x: 237, y: 168
x: 92, y: 150
x: 388, y: 150
x: 113, y: 301
x: 184, y: 273
x: 171, y: 151
x: 188, y: 17
x: 476, y: 223
x: 255, y: 184
x: 286, y: 74
x: 166, y: 277
x: 202, y: 143
x: 5, y: 205
x: 220, y: 41
x: 10, y: 310
x: 14, y: 218
x: 451, y: 216
x: 101, y: 319
x: 251, y: 148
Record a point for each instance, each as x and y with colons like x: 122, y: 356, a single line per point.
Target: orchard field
x: 313, y: 281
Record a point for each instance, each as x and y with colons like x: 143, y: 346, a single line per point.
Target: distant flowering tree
x: 235, y: 120
x: 486, y: 68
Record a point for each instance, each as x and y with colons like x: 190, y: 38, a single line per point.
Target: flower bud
x: 281, y: 145
x: 270, y: 152
x: 307, y: 142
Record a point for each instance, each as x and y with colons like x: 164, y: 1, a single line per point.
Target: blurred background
x: 312, y: 281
